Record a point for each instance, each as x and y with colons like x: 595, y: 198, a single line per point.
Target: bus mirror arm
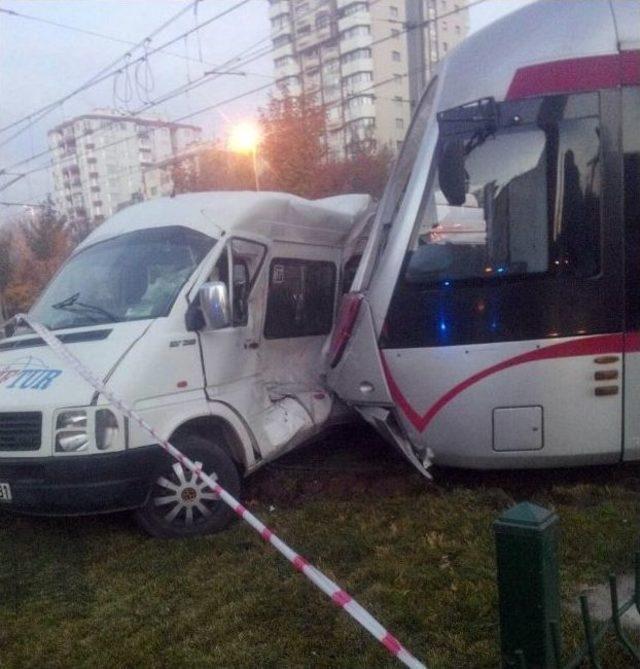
x: 193, y: 318
x: 451, y: 173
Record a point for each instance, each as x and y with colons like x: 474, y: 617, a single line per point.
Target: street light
x: 245, y: 138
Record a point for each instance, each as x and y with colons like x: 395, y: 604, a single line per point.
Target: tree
x: 79, y: 228
x: 365, y: 172
x: 6, y: 265
x: 39, y: 245
x: 45, y: 232
x: 6, y: 258
x: 293, y: 146
x: 213, y: 169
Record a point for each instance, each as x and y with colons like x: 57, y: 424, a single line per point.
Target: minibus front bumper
x: 80, y: 484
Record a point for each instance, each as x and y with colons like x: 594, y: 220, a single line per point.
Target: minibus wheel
x: 178, y: 505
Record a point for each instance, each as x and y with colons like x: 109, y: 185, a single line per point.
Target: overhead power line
x: 99, y: 74
x: 107, y: 71
x: 21, y: 204
x: 241, y: 62
x: 93, y: 33
x: 181, y: 90
x: 221, y: 103
x: 245, y: 57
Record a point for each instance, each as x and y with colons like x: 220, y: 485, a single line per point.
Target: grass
x: 95, y: 592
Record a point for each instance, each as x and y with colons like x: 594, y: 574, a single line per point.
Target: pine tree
x: 6, y: 258
x: 46, y: 232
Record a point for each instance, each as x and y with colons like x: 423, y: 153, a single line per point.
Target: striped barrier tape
x: 339, y: 596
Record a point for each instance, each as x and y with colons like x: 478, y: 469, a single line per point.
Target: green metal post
x: 528, y: 584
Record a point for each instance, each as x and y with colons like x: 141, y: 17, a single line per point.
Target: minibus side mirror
x: 451, y: 172
x: 214, y: 303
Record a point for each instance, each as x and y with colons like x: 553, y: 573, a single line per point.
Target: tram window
x: 631, y: 144
x: 631, y: 150
x: 532, y: 181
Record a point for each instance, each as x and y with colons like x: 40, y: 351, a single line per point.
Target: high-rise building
x: 105, y: 160
x: 353, y: 57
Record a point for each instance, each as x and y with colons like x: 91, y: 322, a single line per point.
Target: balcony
x: 278, y: 7
x: 334, y: 122
x: 312, y: 85
x: 356, y: 42
x: 315, y: 38
x: 362, y: 18
x: 363, y: 64
x: 288, y: 89
x: 309, y: 59
x: 283, y: 50
x: 365, y: 109
x: 291, y: 69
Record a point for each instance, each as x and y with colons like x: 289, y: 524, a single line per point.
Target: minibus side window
x: 301, y: 298
x: 246, y: 257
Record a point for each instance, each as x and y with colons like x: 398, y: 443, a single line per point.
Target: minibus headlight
x: 68, y: 441
x: 71, y: 431
x: 107, y: 429
x: 72, y: 420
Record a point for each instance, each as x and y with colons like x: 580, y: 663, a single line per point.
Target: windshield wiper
x: 71, y: 304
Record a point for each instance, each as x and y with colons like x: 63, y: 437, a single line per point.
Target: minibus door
x: 230, y: 355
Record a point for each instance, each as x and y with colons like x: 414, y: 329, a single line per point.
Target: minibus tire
x: 217, y: 463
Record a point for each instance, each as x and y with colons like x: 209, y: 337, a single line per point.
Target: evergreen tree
x: 6, y: 259
x: 46, y: 232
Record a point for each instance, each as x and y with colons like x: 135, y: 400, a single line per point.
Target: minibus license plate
x: 5, y: 492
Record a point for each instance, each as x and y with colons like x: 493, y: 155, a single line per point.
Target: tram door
x: 631, y: 204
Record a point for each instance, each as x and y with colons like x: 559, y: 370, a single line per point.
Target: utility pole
x: 416, y: 53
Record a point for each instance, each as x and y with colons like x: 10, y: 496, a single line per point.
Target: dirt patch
x: 351, y: 462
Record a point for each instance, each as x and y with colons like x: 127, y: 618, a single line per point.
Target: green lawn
x: 95, y: 592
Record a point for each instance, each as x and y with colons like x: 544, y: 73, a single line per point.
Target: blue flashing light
x: 443, y: 326
x: 501, y: 270
x: 447, y: 283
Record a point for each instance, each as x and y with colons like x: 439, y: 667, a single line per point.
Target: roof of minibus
x: 550, y: 46
x: 272, y: 215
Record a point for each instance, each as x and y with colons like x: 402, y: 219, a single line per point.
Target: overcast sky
x: 41, y: 62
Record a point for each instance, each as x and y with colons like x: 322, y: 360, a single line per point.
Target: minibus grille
x: 20, y: 431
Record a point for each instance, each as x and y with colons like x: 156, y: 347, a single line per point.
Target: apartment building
x: 105, y: 160
x: 353, y: 57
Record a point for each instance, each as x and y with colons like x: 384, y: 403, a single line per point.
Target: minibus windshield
x: 131, y: 277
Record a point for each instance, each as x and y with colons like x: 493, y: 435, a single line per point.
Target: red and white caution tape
x: 331, y: 589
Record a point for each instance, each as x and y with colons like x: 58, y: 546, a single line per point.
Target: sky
x: 40, y: 63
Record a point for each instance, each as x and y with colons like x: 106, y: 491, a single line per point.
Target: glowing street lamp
x: 245, y: 138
